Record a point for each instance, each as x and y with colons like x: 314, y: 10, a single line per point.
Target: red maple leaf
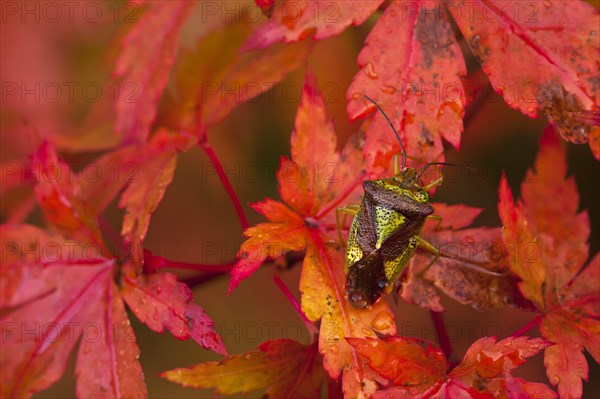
x: 547, y: 240
x: 418, y: 370
x: 147, y: 54
x: 412, y: 67
x: 61, y: 288
x: 285, y: 368
x: 461, y: 279
x: 215, y: 77
x: 540, y: 56
x: 294, y: 20
x: 312, y: 184
x: 58, y: 295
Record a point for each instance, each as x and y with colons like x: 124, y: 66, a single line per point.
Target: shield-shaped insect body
x: 384, y: 235
x: 386, y: 230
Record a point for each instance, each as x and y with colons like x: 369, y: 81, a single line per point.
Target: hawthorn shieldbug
x: 385, y: 231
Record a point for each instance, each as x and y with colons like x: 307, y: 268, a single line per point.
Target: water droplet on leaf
x: 382, y: 321
x: 370, y: 71
x: 388, y: 89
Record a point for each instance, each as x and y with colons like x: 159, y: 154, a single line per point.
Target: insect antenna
x: 393, y: 129
x: 471, y: 264
x: 441, y: 163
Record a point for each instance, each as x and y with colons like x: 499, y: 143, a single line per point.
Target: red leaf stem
x: 152, y: 263
x: 531, y: 324
x: 443, y: 339
x: 212, y: 155
x: 290, y: 297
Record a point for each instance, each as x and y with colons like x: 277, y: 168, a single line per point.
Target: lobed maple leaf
x: 308, y: 184
x: 71, y: 201
x: 109, y: 367
x: 418, y: 370
x: 412, y: 66
x: 147, y: 54
x: 552, y: 48
x: 312, y: 184
x: 548, y: 247
x: 160, y: 301
x: 58, y: 297
x: 416, y: 77
x: 216, y: 78
x: 286, y: 232
x: 460, y: 279
x: 13, y: 290
x: 58, y: 288
x: 285, y: 368
x: 323, y: 298
x: 294, y: 20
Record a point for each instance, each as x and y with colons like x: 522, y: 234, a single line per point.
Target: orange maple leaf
x: 418, y: 370
x: 312, y: 184
x: 285, y: 368
x: 547, y: 240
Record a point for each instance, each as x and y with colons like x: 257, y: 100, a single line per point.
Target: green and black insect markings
x: 384, y: 235
x: 386, y: 228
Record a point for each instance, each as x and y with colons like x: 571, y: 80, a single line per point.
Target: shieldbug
x: 385, y: 231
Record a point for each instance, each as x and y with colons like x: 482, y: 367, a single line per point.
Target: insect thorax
x: 398, y: 192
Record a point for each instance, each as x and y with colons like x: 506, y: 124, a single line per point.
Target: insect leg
x: 467, y: 263
x: 434, y: 183
x: 437, y: 218
x: 426, y: 245
x: 396, y: 165
x: 346, y: 210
